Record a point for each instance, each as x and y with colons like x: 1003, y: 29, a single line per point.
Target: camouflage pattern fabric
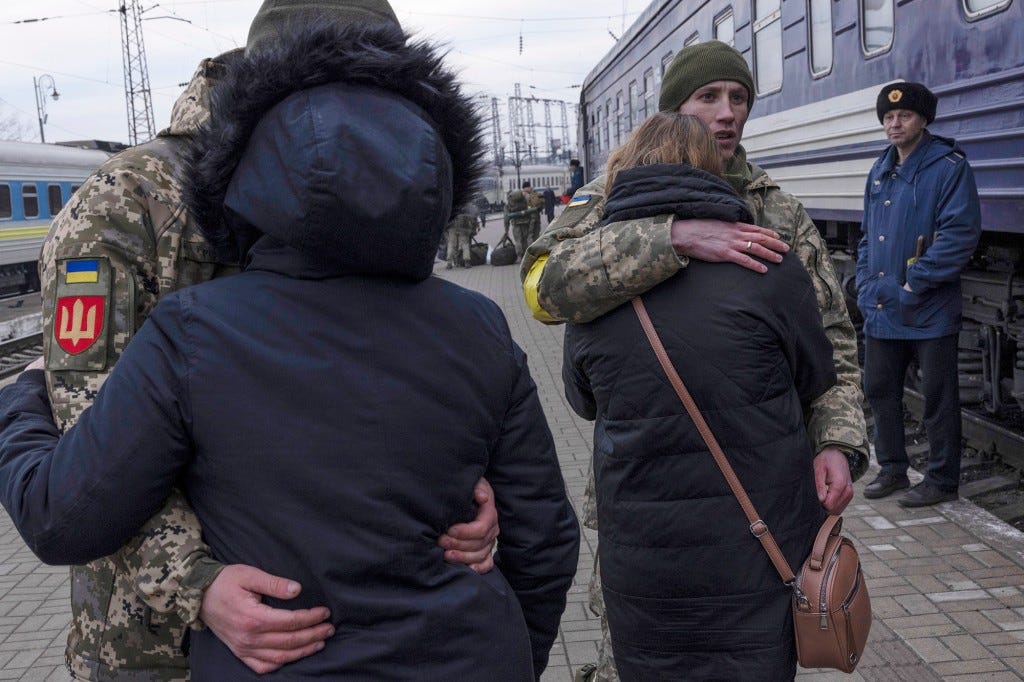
x: 519, y: 217
x: 460, y: 233
x: 126, y: 228
x: 533, y: 200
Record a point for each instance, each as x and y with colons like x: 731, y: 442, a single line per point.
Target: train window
x: 30, y: 200
x: 725, y: 28
x: 53, y: 199
x: 665, y: 61
x: 634, y: 105
x: 597, y: 129
x: 692, y: 40
x: 5, y: 202
x: 820, y: 37
x: 74, y: 188
x: 877, y: 24
x: 648, y: 92
x: 768, y: 45
x: 979, y: 8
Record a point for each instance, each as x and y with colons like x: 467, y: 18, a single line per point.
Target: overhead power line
x: 604, y: 17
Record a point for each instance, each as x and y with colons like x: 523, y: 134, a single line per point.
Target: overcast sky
x: 547, y: 47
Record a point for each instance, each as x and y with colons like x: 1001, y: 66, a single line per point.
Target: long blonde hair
x: 667, y: 137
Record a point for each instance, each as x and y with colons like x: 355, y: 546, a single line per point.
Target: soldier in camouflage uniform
x: 578, y: 271
x: 123, y: 241
x: 519, y: 215
x: 460, y: 233
x: 534, y: 201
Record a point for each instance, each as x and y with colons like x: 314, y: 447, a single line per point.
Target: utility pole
x: 138, y: 98
x: 496, y: 132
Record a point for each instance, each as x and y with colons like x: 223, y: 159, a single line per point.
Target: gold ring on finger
x: 749, y: 244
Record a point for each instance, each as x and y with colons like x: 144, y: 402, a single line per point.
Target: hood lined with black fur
x: 348, y: 144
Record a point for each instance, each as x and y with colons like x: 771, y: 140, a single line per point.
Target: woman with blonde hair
x: 689, y: 591
x: 668, y: 137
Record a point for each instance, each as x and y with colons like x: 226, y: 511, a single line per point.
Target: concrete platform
x: 947, y: 583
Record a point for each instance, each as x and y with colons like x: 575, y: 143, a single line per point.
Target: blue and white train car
x: 818, y: 66
x: 36, y: 180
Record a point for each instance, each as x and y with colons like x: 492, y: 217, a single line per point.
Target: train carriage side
x: 818, y: 65
x: 36, y: 180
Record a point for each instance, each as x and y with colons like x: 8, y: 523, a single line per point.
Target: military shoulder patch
x: 80, y: 315
x: 78, y: 322
x: 579, y: 200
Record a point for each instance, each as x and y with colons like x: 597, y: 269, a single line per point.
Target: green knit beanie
x: 698, y: 65
x: 273, y: 14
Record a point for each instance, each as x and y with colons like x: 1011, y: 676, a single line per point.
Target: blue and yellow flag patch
x: 581, y: 200
x: 82, y: 272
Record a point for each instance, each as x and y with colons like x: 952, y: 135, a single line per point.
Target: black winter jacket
x: 690, y: 594
x: 329, y: 409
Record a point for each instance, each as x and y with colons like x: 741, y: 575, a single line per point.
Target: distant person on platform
x: 575, y: 177
x: 922, y: 222
x: 460, y: 233
x: 519, y: 220
x: 549, y: 204
x: 534, y: 201
x: 123, y: 242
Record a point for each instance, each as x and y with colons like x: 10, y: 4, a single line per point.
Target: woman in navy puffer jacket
x: 328, y: 410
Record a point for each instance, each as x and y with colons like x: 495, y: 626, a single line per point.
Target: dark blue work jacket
x: 922, y: 221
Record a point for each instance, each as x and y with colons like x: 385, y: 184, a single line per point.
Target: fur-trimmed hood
x: 348, y: 144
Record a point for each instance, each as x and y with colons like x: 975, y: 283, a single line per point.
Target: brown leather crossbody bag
x: 831, y: 607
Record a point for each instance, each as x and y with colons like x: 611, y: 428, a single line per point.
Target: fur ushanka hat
x: 910, y: 96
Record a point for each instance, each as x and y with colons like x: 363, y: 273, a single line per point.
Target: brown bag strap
x: 758, y: 527
x: 833, y: 526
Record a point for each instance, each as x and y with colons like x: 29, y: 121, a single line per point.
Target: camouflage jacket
x: 576, y: 272
x: 465, y: 223
x: 123, y: 241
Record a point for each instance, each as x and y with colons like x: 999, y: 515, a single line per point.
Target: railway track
x: 992, y: 467
x: 17, y: 353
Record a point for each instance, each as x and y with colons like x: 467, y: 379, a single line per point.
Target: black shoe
x: 925, y: 494
x: 886, y: 484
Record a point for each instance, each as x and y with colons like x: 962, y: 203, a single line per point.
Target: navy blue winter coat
x: 328, y: 410
x: 931, y: 197
x: 689, y: 591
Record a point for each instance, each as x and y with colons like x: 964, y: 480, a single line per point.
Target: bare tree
x: 13, y: 127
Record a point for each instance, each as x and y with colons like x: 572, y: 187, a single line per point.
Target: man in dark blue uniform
x: 922, y: 221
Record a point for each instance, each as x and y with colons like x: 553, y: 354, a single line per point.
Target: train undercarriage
x: 991, y: 357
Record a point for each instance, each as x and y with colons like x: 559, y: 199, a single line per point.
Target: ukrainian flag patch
x: 579, y: 200
x: 82, y: 272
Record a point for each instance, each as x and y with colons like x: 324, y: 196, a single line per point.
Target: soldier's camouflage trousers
x: 605, y: 670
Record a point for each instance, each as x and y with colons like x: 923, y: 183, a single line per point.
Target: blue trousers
x: 885, y: 367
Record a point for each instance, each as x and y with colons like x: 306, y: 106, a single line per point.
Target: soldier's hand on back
x: 473, y: 543
x: 262, y: 637
x: 716, y: 241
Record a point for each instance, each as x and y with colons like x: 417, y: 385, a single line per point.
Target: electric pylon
x: 138, y: 99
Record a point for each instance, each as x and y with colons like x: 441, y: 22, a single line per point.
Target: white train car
x: 500, y: 180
